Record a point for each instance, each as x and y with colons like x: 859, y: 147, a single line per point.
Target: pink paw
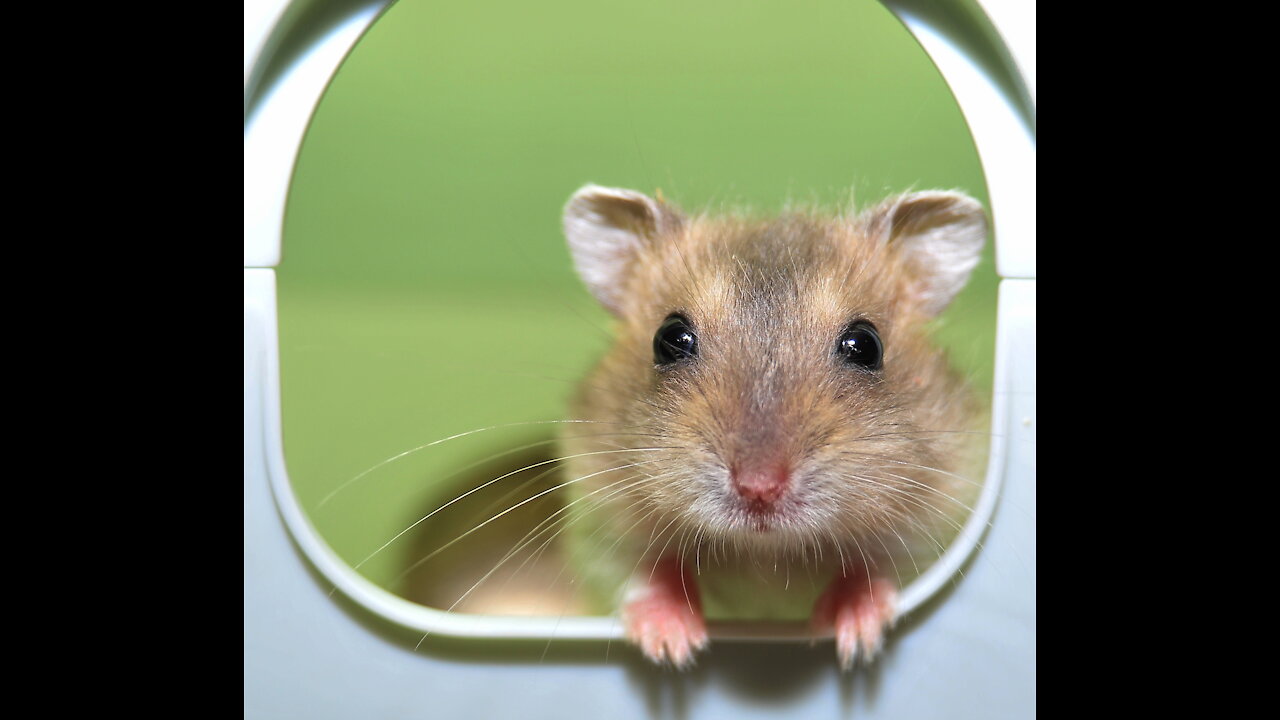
x: 665, y: 617
x: 860, y: 610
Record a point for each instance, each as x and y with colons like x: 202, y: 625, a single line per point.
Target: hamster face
x: 774, y: 434
x: 781, y: 372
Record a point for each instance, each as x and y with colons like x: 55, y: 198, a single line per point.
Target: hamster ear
x: 605, y: 228
x: 939, y: 234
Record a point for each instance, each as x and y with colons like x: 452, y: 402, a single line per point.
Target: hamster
x: 771, y: 409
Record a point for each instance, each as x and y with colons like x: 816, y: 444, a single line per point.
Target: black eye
x: 860, y: 345
x: 674, y: 341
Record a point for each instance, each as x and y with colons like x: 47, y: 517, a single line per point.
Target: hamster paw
x: 664, y: 616
x: 860, y: 609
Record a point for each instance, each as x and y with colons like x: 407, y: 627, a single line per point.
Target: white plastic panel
x: 1015, y: 21
x: 260, y: 16
x: 1005, y: 142
x: 275, y: 125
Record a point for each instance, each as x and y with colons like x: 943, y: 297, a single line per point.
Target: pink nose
x: 762, y: 485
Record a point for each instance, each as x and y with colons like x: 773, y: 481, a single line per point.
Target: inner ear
x: 606, y: 228
x: 939, y: 235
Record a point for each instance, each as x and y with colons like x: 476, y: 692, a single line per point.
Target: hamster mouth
x: 762, y: 516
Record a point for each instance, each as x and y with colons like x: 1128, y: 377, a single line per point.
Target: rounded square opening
x: 431, y: 326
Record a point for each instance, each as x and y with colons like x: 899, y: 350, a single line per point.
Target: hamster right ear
x: 939, y: 234
x: 605, y: 228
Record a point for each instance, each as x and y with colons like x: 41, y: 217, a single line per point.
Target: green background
x: 425, y: 288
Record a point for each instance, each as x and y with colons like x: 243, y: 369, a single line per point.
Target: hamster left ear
x: 606, y: 228
x: 940, y: 236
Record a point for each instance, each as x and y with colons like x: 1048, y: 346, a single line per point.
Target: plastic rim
x: 275, y: 120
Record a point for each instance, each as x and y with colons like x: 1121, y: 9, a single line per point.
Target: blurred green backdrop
x: 425, y: 288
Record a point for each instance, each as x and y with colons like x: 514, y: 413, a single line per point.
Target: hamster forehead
x: 773, y: 276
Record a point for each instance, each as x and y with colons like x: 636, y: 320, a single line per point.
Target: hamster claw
x: 664, y: 618
x: 860, y: 610
x: 666, y: 632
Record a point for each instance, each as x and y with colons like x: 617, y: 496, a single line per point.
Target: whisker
x: 522, y: 503
x: 899, y: 461
x: 470, y: 590
x: 434, y: 443
x: 664, y: 547
x: 628, y: 483
x: 478, y: 488
x: 906, y: 496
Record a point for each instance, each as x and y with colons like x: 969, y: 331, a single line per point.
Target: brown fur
x: 768, y: 299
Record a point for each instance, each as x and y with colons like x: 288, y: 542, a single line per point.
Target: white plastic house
x: 967, y: 648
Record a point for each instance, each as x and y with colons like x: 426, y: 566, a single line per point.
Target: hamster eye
x: 674, y: 341
x: 860, y: 345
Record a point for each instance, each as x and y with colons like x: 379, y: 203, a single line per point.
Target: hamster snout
x: 772, y: 392
x: 760, y: 484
